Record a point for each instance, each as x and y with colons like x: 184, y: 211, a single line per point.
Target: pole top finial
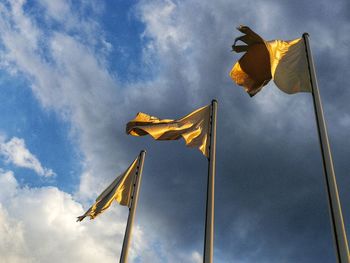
x: 214, y: 101
x: 306, y: 34
x: 143, y: 151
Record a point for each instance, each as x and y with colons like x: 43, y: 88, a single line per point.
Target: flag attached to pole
x: 283, y: 61
x: 194, y: 128
x: 120, y: 190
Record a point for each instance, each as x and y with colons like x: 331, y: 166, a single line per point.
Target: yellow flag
x: 194, y: 128
x: 120, y: 190
x: 283, y: 61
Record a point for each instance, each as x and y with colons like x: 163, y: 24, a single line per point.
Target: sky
x: 73, y: 73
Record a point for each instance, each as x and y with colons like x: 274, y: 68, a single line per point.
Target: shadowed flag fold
x: 194, y: 128
x: 283, y: 61
x: 120, y: 190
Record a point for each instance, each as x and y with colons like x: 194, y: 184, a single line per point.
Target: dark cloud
x: 270, y: 200
x: 271, y: 204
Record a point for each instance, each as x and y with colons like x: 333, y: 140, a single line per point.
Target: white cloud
x: 12, y: 243
x: 7, y: 179
x: 161, y: 22
x: 16, y: 152
x: 196, y: 257
x: 71, y: 77
x: 39, y: 225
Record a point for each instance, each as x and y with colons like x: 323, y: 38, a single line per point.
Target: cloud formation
x: 37, y: 225
x: 270, y: 200
x: 15, y: 151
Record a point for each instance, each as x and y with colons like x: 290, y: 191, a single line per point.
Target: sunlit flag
x: 290, y: 64
x: 120, y: 190
x: 125, y: 190
x: 198, y: 130
x: 194, y: 128
x: 283, y: 61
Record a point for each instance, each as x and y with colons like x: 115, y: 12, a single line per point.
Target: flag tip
x: 240, y: 27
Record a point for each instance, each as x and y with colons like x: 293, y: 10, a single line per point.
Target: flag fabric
x: 194, y: 128
x: 283, y: 61
x: 120, y: 190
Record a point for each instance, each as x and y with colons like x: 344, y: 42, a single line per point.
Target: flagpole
x: 132, y: 209
x: 209, y: 219
x: 339, y: 234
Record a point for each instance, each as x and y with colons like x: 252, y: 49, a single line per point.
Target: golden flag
x: 194, y: 128
x: 283, y: 61
x: 120, y: 190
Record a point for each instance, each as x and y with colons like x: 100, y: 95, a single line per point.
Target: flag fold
x: 283, y: 61
x: 120, y: 190
x: 194, y: 128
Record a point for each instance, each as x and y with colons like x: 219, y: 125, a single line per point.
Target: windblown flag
x: 194, y: 128
x: 283, y: 61
x: 120, y: 190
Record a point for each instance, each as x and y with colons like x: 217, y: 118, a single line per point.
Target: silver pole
x: 132, y: 209
x: 339, y: 234
x: 209, y: 219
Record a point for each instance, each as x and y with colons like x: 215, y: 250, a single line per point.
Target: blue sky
x: 72, y: 73
x: 24, y: 118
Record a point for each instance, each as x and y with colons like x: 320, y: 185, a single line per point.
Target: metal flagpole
x: 132, y: 209
x: 341, y: 243
x: 209, y: 219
